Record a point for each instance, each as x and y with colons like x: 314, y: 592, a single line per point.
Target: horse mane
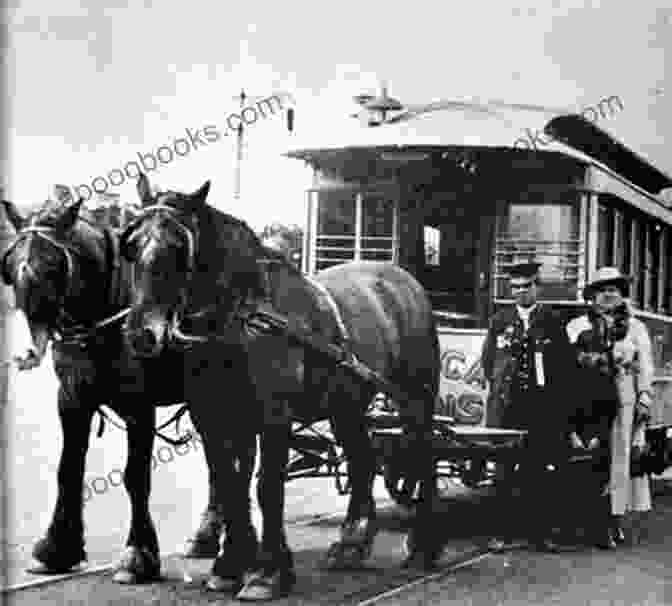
x: 265, y: 252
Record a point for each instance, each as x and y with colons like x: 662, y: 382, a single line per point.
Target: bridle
x: 191, y: 237
x: 66, y: 329
x: 239, y: 310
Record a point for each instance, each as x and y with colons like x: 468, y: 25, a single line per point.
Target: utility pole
x: 241, y: 98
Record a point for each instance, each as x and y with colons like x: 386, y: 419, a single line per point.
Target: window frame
x: 575, y: 246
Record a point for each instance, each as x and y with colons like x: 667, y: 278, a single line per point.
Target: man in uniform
x: 525, y: 358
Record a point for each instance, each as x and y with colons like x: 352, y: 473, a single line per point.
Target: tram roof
x: 504, y: 130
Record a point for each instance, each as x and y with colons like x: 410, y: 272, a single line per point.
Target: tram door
x: 453, y: 261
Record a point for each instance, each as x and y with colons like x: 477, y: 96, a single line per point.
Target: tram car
x: 455, y: 194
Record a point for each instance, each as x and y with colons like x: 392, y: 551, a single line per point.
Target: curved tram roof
x: 502, y: 129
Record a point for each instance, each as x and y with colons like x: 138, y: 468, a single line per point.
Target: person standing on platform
x: 526, y: 356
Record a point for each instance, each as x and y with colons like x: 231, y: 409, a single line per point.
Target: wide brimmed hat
x: 607, y: 276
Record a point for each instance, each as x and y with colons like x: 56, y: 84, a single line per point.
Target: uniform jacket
x: 526, y: 389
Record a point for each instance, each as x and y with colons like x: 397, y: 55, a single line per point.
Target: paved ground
x: 636, y: 574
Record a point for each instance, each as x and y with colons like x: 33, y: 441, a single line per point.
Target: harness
x: 260, y: 317
x: 68, y: 332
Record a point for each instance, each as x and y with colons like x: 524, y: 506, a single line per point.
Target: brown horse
x: 71, y: 284
x: 200, y: 276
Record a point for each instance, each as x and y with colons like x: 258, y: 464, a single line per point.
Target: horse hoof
x: 137, y: 565
x: 232, y: 564
x: 342, y: 556
x: 260, y: 587
x: 55, y: 560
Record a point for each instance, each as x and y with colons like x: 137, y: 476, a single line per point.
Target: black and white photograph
x: 341, y: 304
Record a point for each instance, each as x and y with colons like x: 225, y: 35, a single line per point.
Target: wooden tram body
x: 457, y: 202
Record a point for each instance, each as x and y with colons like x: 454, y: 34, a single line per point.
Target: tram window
x: 336, y: 213
x: 663, y: 271
x: 653, y: 265
x: 376, y: 216
x: 432, y: 237
x: 335, y: 237
x: 547, y: 233
x: 353, y: 225
x: 625, y: 240
x: 667, y: 254
x: 638, y: 262
x: 377, y: 227
x: 605, y: 236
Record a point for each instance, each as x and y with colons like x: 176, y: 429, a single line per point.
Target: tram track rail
x: 367, y: 596
x: 462, y: 561
x: 99, y: 568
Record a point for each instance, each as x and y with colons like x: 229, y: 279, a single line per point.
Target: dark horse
x: 199, y: 273
x: 73, y: 287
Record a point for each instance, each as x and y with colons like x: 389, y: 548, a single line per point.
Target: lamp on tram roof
x: 377, y: 107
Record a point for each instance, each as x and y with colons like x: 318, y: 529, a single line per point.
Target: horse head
x: 188, y: 259
x: 161, y: 244
x: 55, y: 265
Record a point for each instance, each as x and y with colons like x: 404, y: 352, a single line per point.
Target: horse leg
x: 140, y: 561
x: 358, y: 529
x: 63, y: 546
x: 423, y: 545
x: 275, y: 576
x: 205, y: 541
x: 233, y: 473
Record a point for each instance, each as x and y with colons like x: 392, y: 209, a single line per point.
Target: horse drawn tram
x: 448, y: 192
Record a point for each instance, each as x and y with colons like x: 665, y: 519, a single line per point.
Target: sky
x: 93, y: 83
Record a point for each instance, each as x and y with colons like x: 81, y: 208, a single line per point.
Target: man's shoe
x: 618, y: 535
x: 606, y: 540
x: 617, y: 530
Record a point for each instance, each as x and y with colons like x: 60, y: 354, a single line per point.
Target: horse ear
x: 144, y: 189
x: 13, y: 215
x: 67, y: 220
x: 202, y: 192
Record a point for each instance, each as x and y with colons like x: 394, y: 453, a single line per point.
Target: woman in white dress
x: 628, y: 359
